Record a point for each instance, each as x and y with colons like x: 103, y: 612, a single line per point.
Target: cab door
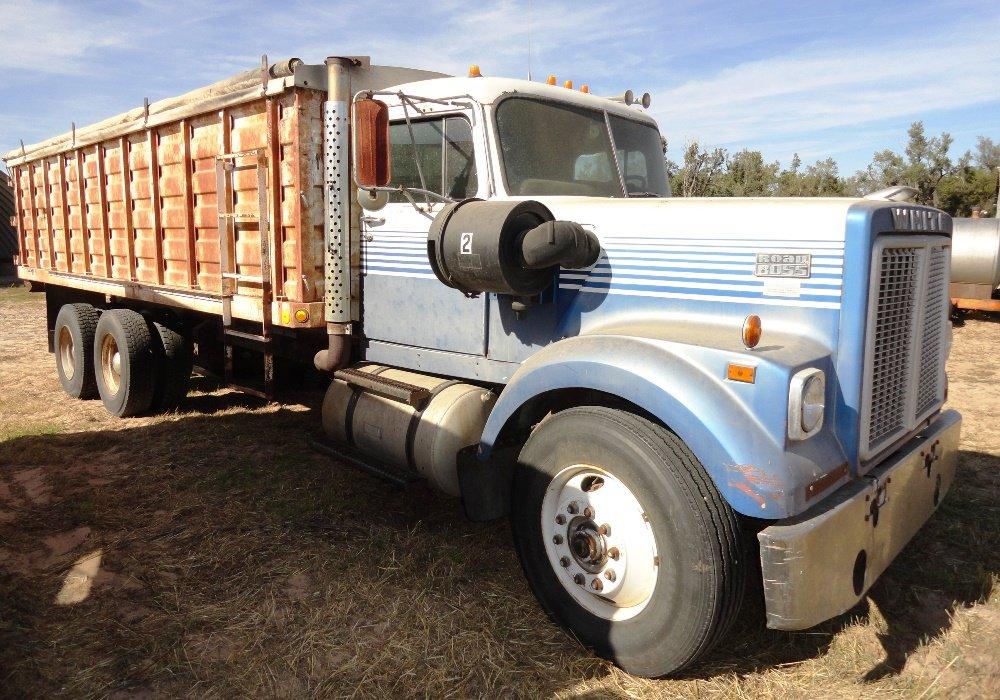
x: 403, y: 302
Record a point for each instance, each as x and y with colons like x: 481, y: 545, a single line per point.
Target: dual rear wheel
x: 136, y: 365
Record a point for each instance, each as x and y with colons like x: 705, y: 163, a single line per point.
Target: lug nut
x: 610, y: 575
x: 564, y: 561
x: 561, y: 519
x: 573, y: 508
x: 578, y: 579
x: 604, y: 529
x: 589, y: 512
x: 613, y: 553
x: 557, y: 539
x: 597, y: 584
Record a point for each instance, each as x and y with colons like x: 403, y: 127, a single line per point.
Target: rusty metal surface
x: 143, y: 207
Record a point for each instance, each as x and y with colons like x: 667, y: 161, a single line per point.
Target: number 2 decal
x: 465, y: 247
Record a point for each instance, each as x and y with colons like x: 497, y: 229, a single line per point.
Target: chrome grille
x: 931, y: 384
x: 894, y: 320
x: 906, y: 336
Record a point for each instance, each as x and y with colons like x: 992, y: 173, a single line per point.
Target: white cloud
x: 782, y: 99
x: 51, y: 38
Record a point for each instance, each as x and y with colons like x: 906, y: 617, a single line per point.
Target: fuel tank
x: 425, y: 438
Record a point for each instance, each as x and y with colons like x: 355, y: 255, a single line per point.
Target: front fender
x: 736, y: 430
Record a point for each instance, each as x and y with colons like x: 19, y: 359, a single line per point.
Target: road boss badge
x: 783, y: 265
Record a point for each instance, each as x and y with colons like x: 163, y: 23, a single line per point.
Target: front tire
x: 124, y: 362
x: 625, y: 540
x: 73, y: 338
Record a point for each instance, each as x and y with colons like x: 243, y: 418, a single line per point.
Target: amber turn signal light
x: 302, y: 315
x: 741, y: 373
x: 751, y: 331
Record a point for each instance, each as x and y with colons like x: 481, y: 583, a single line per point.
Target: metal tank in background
x: 975, y: 264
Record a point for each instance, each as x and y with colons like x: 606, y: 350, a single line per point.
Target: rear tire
x: 73, y: 339
x: 124, y: 362
x: 174, y: 363
x: 671, y: 581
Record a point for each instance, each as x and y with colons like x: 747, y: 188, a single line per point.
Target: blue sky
x: 842, y: 79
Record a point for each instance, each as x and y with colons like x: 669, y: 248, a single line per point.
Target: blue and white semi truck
x: 516, y: 309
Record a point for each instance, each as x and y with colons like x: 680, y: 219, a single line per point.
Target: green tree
x: 700, y: 172
x: 821, y: 179
x: 885, y: 170
x: 747, y: 175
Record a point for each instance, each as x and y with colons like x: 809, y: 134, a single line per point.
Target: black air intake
x: 505, y: 247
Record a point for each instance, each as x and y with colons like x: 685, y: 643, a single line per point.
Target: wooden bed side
x: 141, y: 209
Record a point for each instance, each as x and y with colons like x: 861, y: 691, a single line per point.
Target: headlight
x: 806, y: 403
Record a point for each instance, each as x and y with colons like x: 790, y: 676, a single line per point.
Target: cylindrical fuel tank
x: 975, y: 251
x: 426, y: 440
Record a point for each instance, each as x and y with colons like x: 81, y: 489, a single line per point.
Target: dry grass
x: 234, y: 561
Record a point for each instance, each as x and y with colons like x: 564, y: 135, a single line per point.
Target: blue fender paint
x: 736, y: 430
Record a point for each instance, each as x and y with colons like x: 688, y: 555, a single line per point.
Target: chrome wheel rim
x: 67, y: 353
x: 599, y: 542
x: 111, y: 363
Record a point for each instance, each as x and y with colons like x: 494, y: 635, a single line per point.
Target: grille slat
x: 930, y: 384
x: 906, y: 340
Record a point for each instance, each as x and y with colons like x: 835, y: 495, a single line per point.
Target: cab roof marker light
x: 551, y: 80
x: 568, y: 84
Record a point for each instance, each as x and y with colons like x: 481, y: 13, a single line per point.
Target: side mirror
x: 371, y: 143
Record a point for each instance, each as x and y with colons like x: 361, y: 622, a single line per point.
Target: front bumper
x: 820, y: 563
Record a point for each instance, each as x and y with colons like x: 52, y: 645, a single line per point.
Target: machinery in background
x: 975, y: 265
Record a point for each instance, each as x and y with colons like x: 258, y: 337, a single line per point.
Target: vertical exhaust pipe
x: 336, y: 216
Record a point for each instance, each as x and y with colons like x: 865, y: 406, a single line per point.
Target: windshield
x: 558, y: 149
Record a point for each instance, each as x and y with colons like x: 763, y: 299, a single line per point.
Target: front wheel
x: 625, y: 540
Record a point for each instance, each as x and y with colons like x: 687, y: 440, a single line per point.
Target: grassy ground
x: 211, y: 552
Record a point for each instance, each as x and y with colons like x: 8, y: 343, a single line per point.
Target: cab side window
x: 445, y: 152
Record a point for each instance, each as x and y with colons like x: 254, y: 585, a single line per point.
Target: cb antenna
x: 529, y: 39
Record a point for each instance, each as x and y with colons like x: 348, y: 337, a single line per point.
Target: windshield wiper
x: 644, y: 194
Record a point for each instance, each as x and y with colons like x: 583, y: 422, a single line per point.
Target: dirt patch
x: 36, y: 489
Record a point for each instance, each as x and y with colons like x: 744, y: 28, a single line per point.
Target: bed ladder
x: 226, y: 167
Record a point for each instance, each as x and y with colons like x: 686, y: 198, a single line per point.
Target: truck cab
x: 793, y: 349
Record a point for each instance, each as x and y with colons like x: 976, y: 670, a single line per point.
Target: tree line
x: 958, y: 187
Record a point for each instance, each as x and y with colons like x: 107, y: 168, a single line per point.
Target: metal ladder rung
x: 251, y: 337
x: 240, y: 154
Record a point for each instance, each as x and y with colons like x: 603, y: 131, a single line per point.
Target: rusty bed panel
x: 143, y: 207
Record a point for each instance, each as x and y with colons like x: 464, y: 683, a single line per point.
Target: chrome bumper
x: 820, y: 563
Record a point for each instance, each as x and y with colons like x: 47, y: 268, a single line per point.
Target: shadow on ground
x: 236, y: 560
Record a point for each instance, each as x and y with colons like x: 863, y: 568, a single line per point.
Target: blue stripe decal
x: 696, y: 296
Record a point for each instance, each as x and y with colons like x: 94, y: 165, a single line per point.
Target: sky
x: 838, y: 79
